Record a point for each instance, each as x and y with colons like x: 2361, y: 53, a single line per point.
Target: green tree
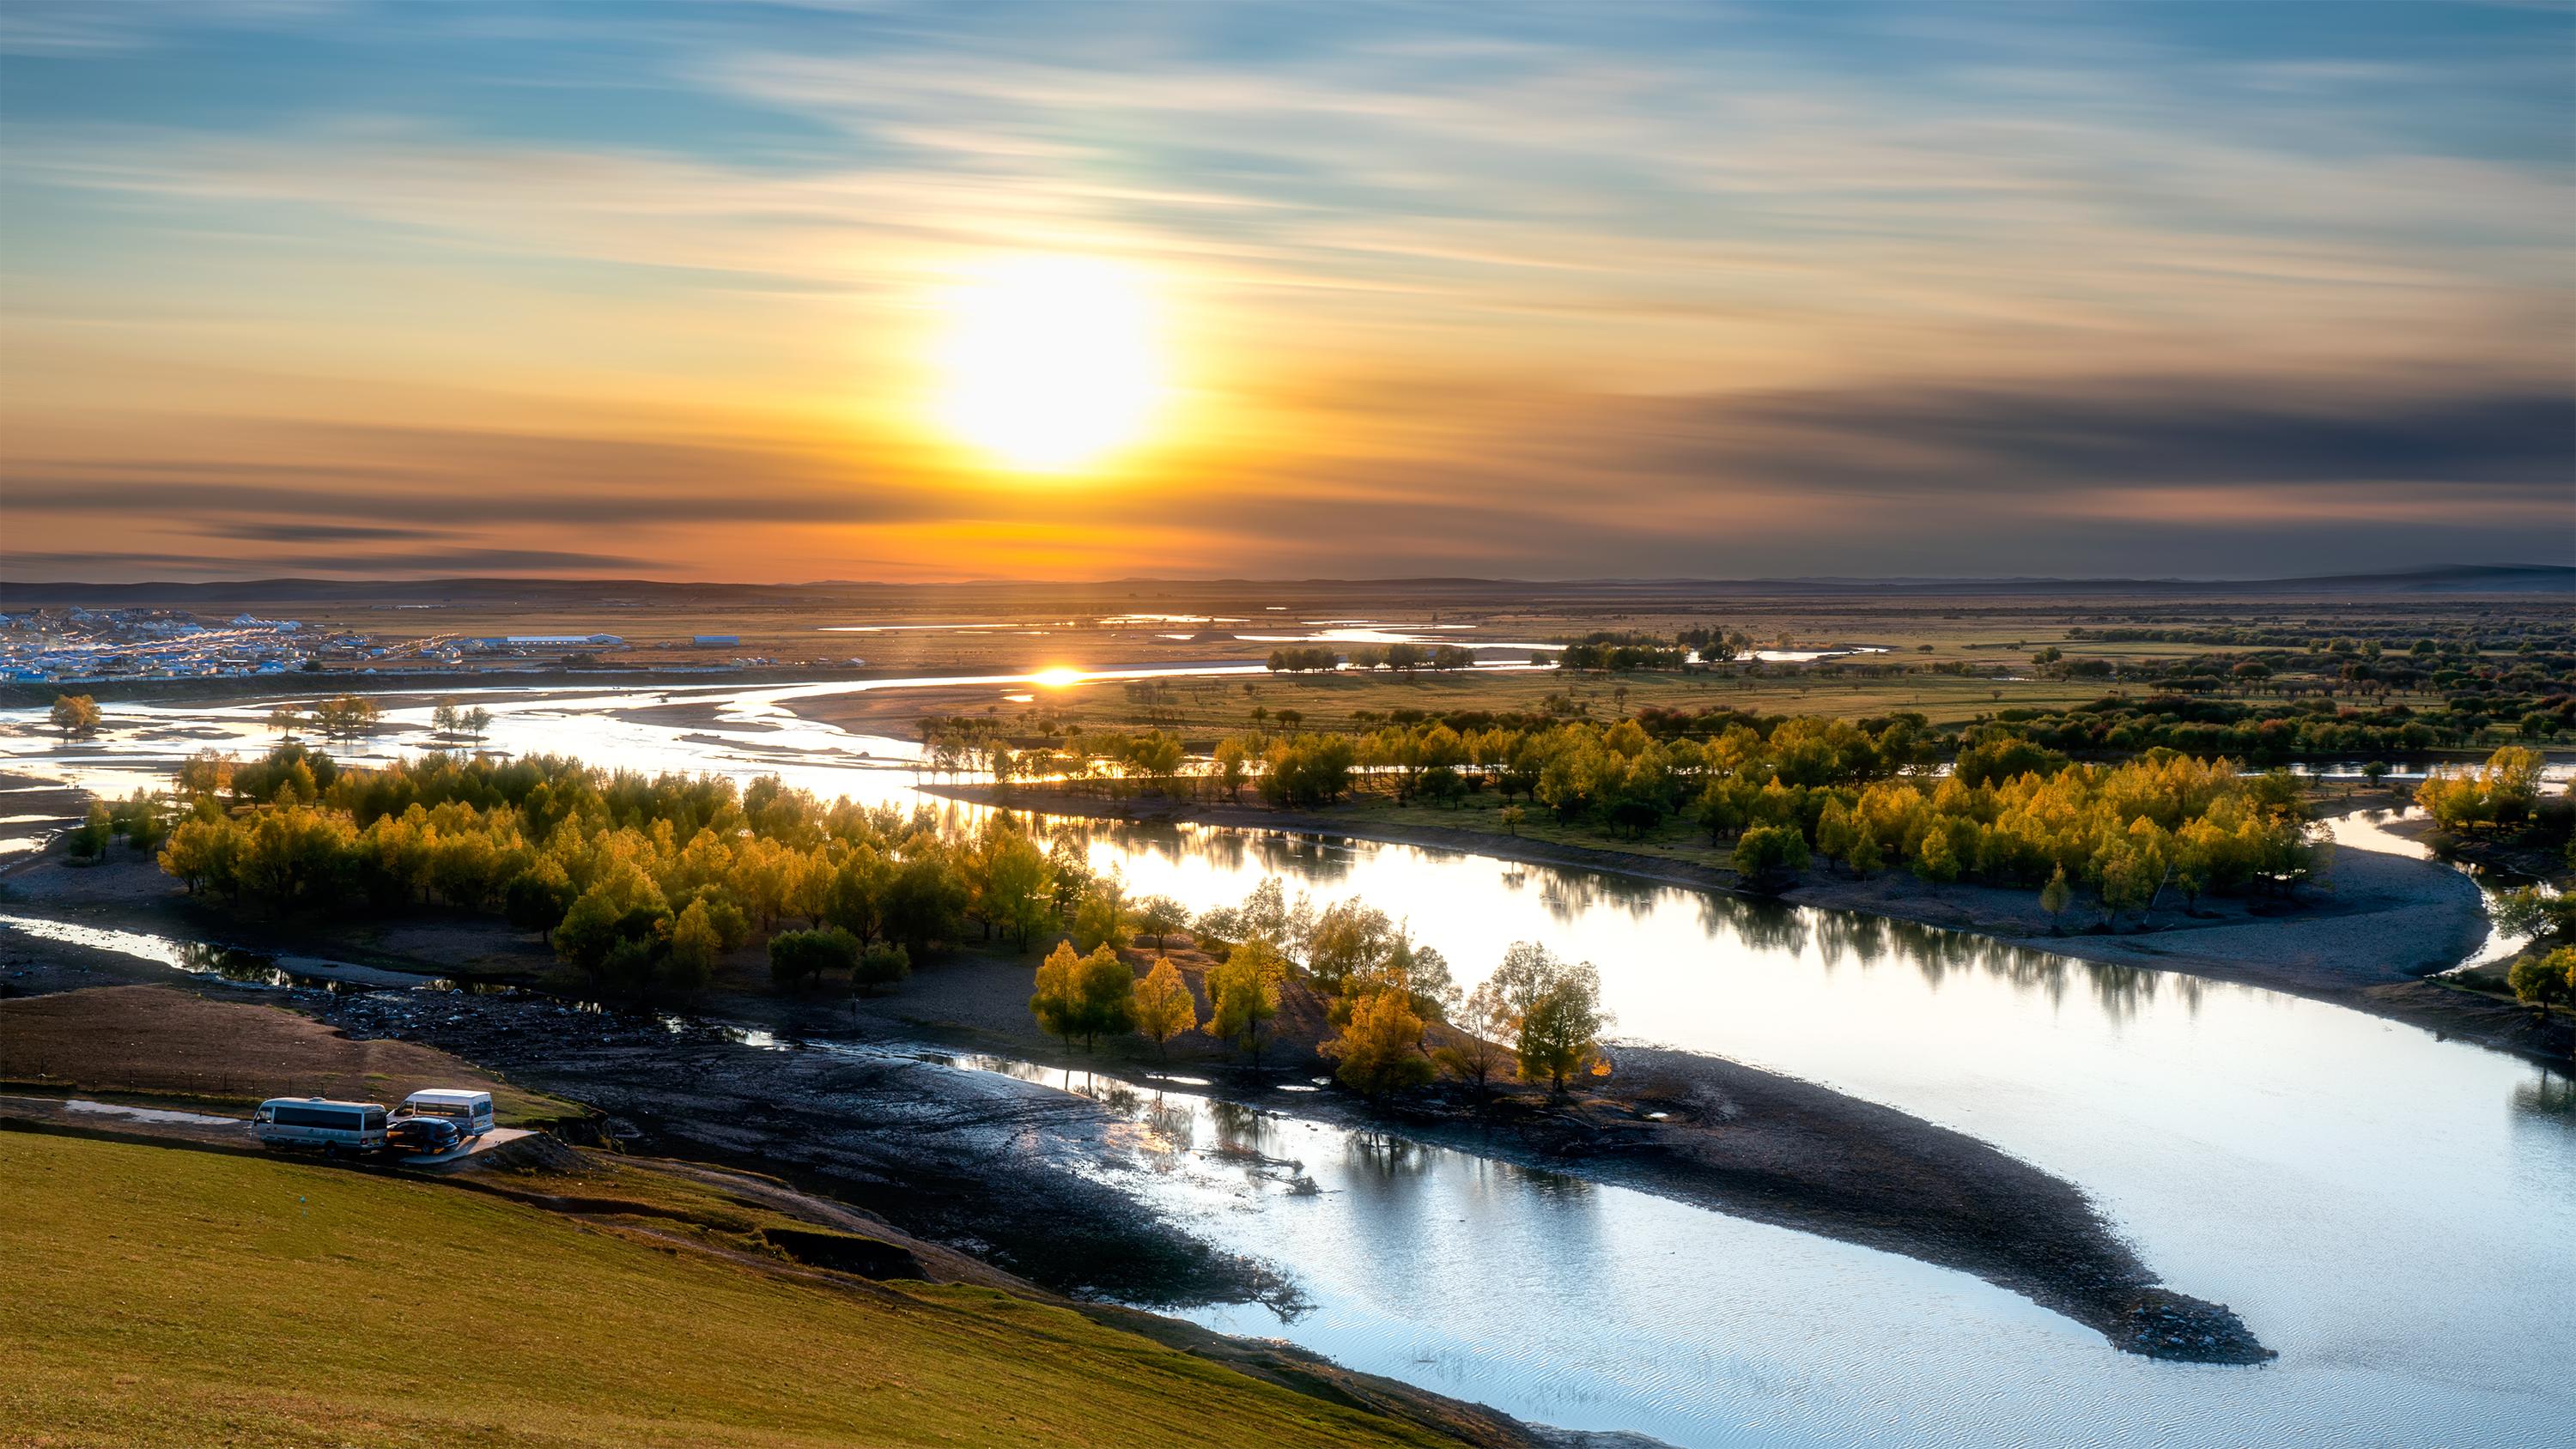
x: 799, y: 957
x: 1162, y: 1005
x: 1105, y: 995
x: 1017, y: 893
x: 1159, y: 917
x: 925, y: 901
x: 1101, y: 917
x: 882, y: 964
x: 1769, y: 857
x: 2542, y: 982
x: 1866, y: 860
x: 1552, y: 1009
x: 1380, y: 1050
x: 1560, y: 1030
x: 88, y: 840
x: 1243, y: 993
x: 613, y: 915
x: 537, y: 898
x: 1510, y: 818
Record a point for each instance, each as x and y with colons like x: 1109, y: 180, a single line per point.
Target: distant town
x: 72, y: 645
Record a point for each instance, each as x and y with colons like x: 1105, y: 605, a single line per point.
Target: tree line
x: 637, y: 881
x: 1863, y: 795
x: 1398, y: 1015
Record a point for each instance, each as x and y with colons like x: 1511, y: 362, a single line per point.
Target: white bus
x: 315, y: 1122
x: 470, y: 1111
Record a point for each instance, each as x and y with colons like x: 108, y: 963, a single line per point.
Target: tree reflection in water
x: 2548, y: 1100
x: 1383, y: 1156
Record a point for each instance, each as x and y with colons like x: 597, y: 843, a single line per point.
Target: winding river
x: 2392, y: 1212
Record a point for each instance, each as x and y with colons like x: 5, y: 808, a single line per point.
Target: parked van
x: 315, y: 1122
x: 470, y: 1111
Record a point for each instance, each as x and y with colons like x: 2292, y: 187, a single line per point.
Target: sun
x: 1056, y: 678
x: 1050, y: 362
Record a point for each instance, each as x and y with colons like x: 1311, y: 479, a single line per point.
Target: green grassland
x: 160, y: 1296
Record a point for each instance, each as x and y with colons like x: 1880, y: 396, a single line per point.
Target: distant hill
x: 2557, y: 579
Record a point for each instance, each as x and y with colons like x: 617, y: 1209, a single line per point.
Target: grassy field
x: 160, y: 1296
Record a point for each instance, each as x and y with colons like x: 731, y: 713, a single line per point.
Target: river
x: 2389, y: 1211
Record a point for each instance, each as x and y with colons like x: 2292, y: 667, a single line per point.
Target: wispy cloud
x: 1669, y: 288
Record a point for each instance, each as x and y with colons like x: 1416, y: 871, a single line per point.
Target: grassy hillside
x: 160, y: 1296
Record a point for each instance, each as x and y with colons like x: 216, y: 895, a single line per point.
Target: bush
x: 1769, y: 857
x: 88, y: 840
x: 881, y: 965
x: 2545, y: 981
x: 796, y: 957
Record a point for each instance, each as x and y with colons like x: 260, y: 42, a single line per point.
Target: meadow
x: 268, y: 1302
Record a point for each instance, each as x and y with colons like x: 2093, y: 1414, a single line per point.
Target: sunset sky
x: 879, y: 292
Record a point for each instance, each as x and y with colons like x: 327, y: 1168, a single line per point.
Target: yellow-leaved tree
x: 1163, y: 1005
x: 1057, y: 1003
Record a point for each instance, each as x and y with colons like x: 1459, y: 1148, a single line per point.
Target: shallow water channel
x: 2389, y: 1211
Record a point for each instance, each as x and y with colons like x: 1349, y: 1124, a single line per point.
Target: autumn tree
x: 1057, y: 1001
x: 1380, y: 1050
x: 2055, y: 897
x: 1162, y: 1005
x: 75, y: 714
x: 695, y: 946
x: 1231, y: 755
x: 1243, y: 992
